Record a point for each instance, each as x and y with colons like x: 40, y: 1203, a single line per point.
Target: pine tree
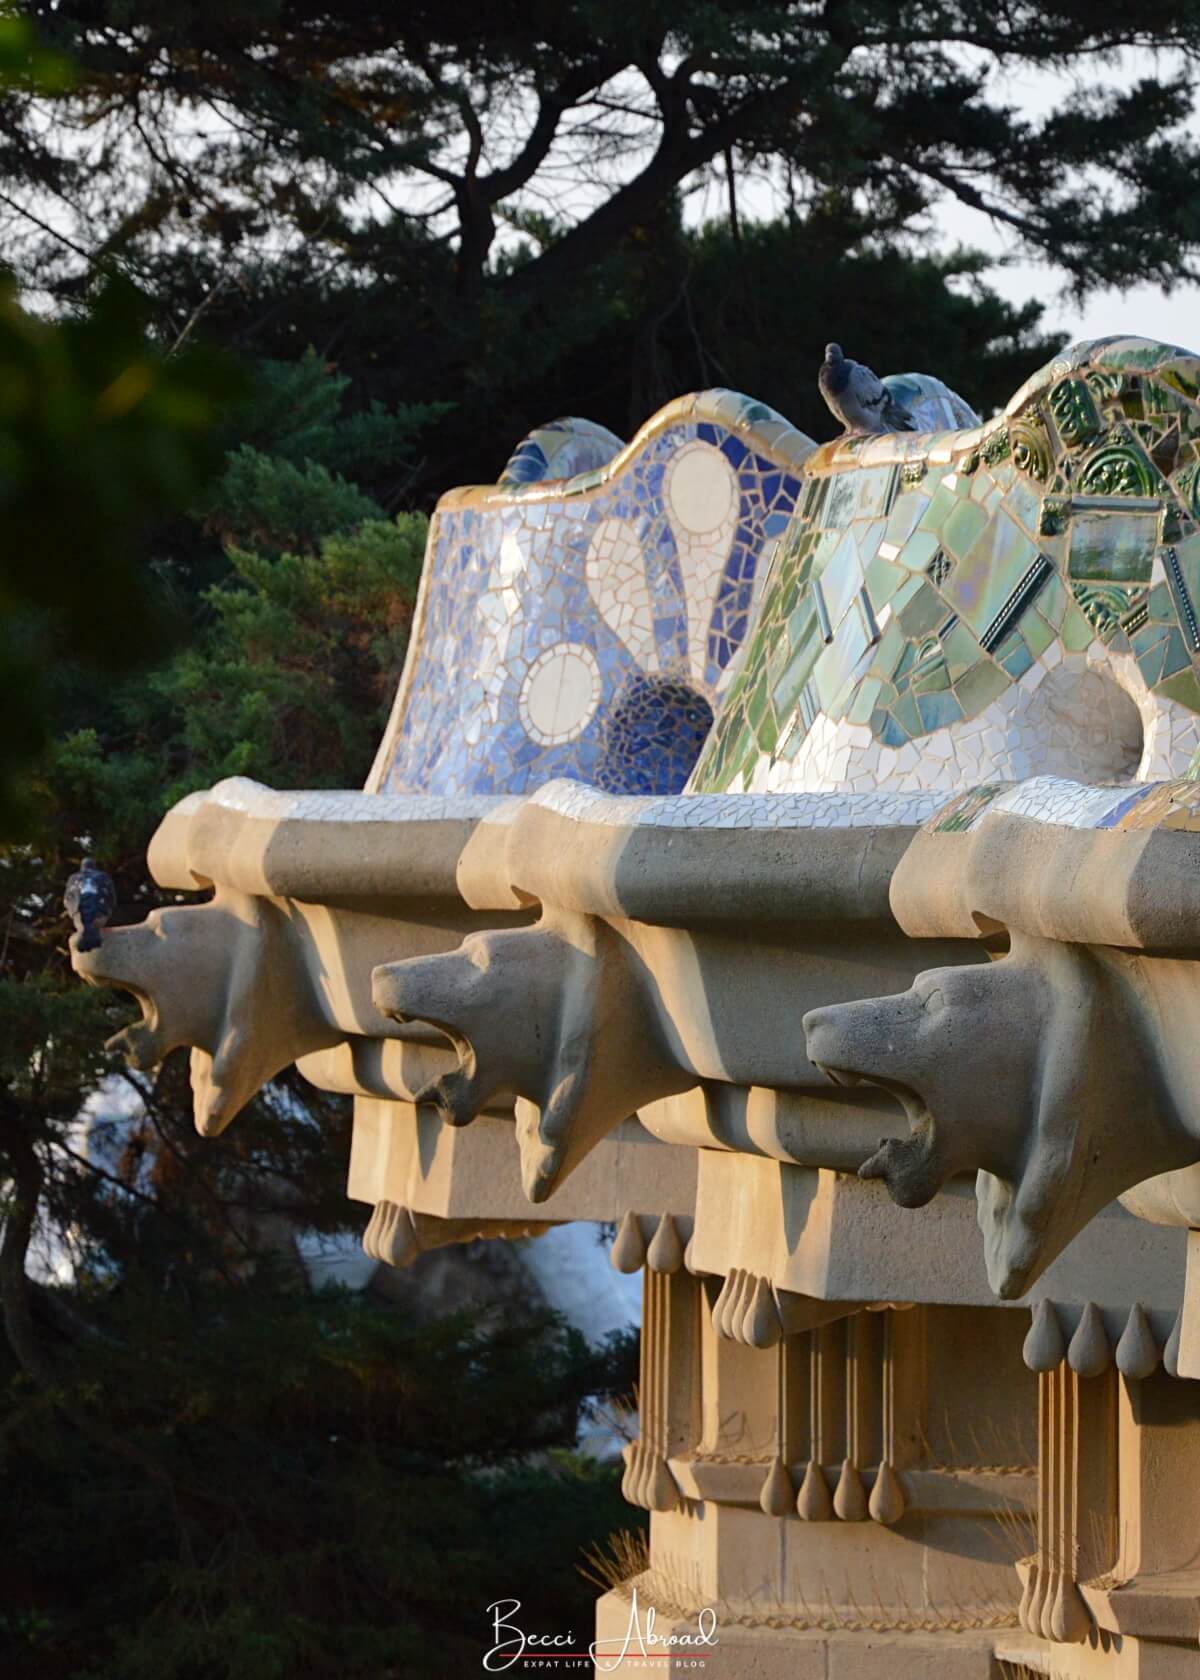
x: 484, y: 208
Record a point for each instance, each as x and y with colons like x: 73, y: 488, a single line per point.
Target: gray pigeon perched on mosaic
x: 90, y: 900
x: 859, y: 398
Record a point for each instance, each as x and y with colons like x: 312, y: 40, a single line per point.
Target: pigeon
x: 859, y: 398
x: 90, y: 900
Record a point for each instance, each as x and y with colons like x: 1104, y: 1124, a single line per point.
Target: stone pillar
x: 668, y: 1389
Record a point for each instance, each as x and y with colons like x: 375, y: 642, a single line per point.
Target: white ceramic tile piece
x: 561, y: 692
x: 701, y: 489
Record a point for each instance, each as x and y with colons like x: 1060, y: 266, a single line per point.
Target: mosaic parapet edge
x: 1108, y: 865
x: 319, y: 843
x: 773, y: 435
x: 558, y: 450
x: 254, y: 799
x: 586, y: 627
x: 1014, y: 598
x: 744, y: 811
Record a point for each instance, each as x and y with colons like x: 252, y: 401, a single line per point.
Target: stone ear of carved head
x: 1097, y: 1121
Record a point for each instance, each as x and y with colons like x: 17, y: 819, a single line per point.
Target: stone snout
x: 1039, y: 1071
x: 225, y: 979
x: 554, y: 1015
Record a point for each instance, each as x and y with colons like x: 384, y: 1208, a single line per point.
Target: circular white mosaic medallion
x: 560, y: 693
x: 701, y: 488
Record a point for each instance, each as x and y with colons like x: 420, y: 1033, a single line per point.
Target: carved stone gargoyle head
x: 1037, y: 1070
x: 550, y: 1015
x: 222, y: 978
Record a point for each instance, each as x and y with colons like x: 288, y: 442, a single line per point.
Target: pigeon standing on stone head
x: 858, y: 397
x: 90, y: 900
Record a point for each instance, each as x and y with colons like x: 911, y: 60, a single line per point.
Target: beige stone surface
x: 837, y: 1237
x: 408, y: 1155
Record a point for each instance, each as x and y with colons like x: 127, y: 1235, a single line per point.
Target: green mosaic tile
x: 1035, y: 632
x: 756, y: 704
x: 1150, y: 661
x: 1132, y: 401
x: 907, y: 512
x: 1117, y: 547
x: 962, y: 650
x: 1075, y: 630
x: 962, y: 526
x: 988, y: 563
x: 937, y: 711
x: 931, y: 676
x: 868, y: 538
x: 943, y: 502
x: 768, y: 734
x: 1182, y: 376
x: 1018, y: 661
x: 1175, y: 655
x: 863, y: 704
x: 1183, y: 688
x: 834, y: 669
x: 1073, y: 410
x: 979, y: 587
x: 1103, y: 605
x: 841, y: 579
x: 796, y: 673
x: 1022, y: 504
x: 883, y: 580
x: 982, y: 684
x: 1053, y: 600
x: 923, y: 613
x: 919, y: 550
x: 1133, y: 352
x: 1159, y: 609
x: 907, y: 716
x: 1118, y: 468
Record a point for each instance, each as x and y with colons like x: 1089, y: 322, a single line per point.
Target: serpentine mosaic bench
x: 1016, y: 598
x: 587, y: 624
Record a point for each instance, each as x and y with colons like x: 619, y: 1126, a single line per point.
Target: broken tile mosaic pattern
x: 741, y: 811
x: 585, y: 627
x: 560, y: 449
x: 1012, y: 599
x: 588, y: 627
x: 1063, y: 804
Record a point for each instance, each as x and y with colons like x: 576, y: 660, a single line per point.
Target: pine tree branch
x: 678, y: 154
x: 975, y: 200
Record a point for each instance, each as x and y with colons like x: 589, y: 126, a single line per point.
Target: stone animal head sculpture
x: 1040, y: 1071
x: 221, y: 979
x: 526, y: 1010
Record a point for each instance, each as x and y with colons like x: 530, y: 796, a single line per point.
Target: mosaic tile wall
x: 585, y: 627
x: 1015, y: 599
x: 588, y: 628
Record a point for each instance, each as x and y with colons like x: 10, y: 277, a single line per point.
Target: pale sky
x: 1145, y: 311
